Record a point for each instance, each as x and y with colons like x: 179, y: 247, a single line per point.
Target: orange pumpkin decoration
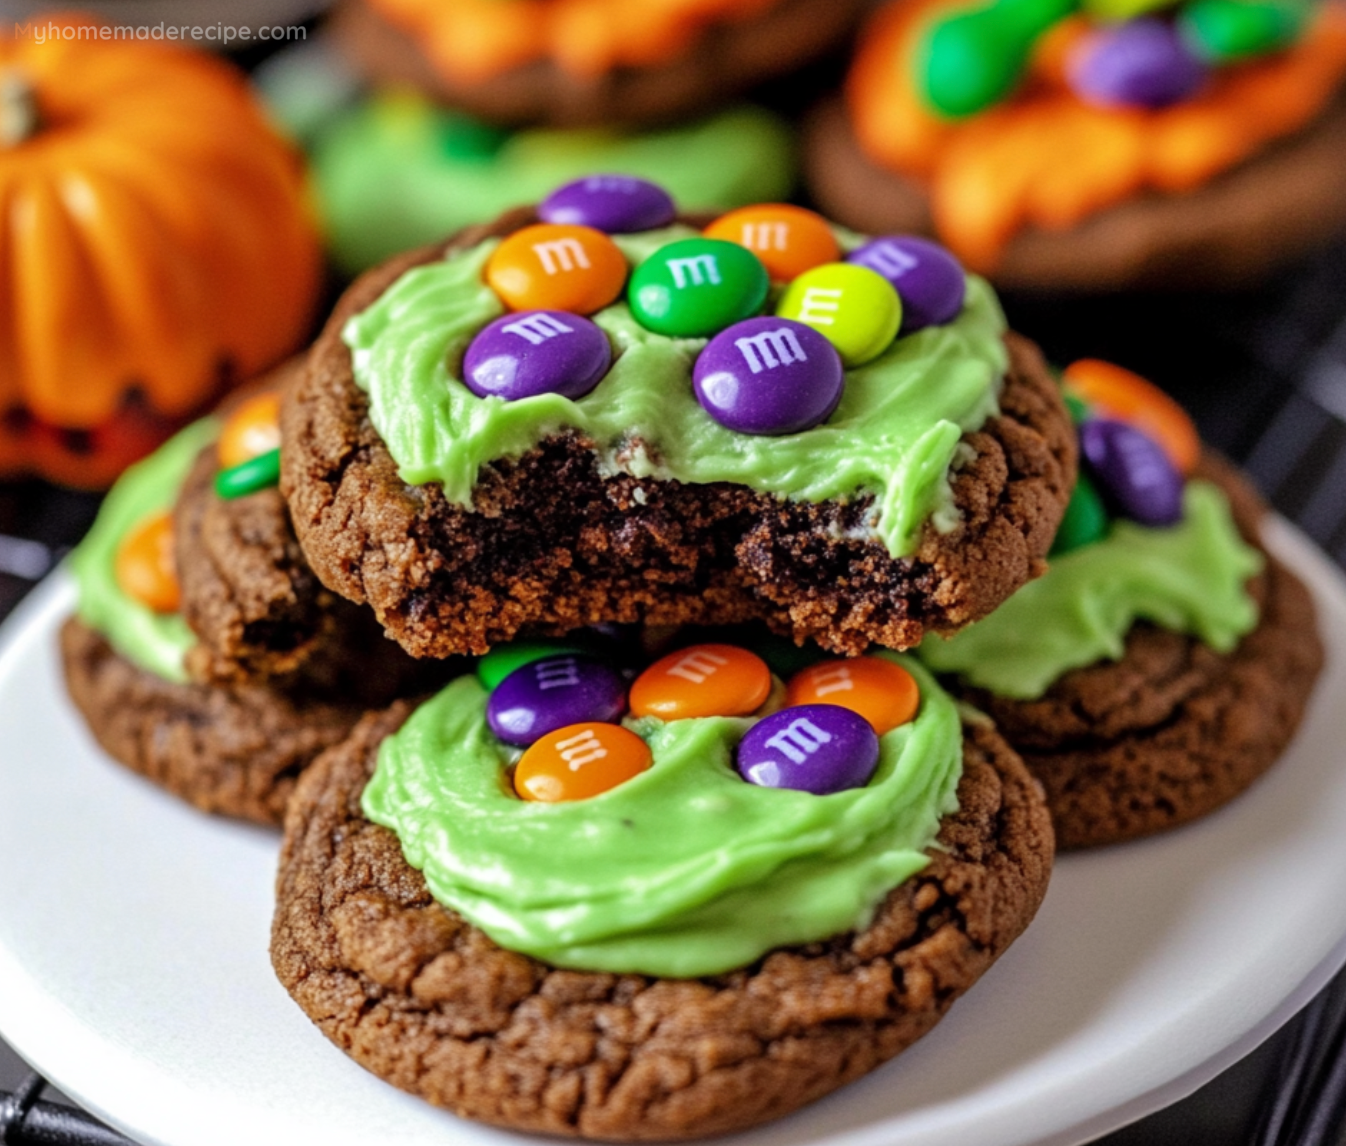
x: 156, y: 245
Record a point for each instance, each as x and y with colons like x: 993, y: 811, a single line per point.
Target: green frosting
x: 894, y: 435
x: 1189, y: 578
x: 398, y: 172
x: 152, y: 641
x: 686, y: 869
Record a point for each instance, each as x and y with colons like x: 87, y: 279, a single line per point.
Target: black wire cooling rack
x: 1264, y: 375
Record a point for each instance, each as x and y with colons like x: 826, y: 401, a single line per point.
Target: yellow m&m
x: 145, y: 567
x: 856, y: 309
x: 883, y: 692
x: 580, y: 761
x: 252, y: 430
x: 557, y: 266
x: 703, y: 680
x: 1120, y: 394
x: 789, y: 240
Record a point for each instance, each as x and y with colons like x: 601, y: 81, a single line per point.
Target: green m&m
x: 694, y: 288
x: 1222, y: 30
x: 247, y: 477
x: 1085, y: 520
x: 855, y: 309
x: 504, y: 659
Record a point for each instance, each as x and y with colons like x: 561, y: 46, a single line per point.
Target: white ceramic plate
x: 134, y: 973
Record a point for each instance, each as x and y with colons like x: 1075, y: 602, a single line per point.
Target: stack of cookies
x: 772, y: 718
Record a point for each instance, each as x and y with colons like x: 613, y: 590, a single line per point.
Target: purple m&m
x: 818, y: 748
x: 928, y: 280
x: 1142, y: 63
x: 768, y: 376
x: 551, y: 693
x: 616, y: 204
x: 1133, y: 472
x: 535, y: 352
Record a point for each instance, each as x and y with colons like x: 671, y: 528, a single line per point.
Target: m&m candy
x: 252, y: 429
x: 616, y: 204
x: 1142, y: 63
x: 504, y: 659
x: 1085, y: 520
x: 818, y: 748
x: 855, y: 308
x: 768, y: 376
x: 694, y: 288
x: 789, y: 240
x: 1119, y: 393
x: 261, y: 472
x: 883, y: 692
x: 557, y: 267
x: 535, y: 352
x: 703, y: 680
x: 1226, y: 30
x: 145, y: 567
x: 929, y: 281
x: 1134, y: 473
x: 550, y: 693
x: 580, y: 761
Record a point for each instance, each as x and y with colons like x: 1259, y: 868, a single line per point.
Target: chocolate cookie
x: 260, y: 614
x: 428, y: 1002
x: 1258, y: 215
x: 726, y: 58
x: 554, y: 544
x: 233, y: 751
x: 1174, y: 729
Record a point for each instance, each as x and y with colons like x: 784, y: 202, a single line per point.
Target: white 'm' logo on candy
x: 561, y: 255
x: 765, y: 236
x: 623, y: 183
x: 696, y: 666
x: 799, y: 740
x: 771, y: 348
x: 582, y: 749
x: 697, y: 270
x: 834, y: 679
x: 537, y: 328
x: 890, y: 261
x: 557, y: 674
x: 820, y: 305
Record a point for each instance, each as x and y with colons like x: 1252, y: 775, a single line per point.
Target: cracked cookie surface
x: 428, y: 1002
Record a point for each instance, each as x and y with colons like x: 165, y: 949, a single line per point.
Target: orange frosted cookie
x: 1101, y: 154
x: 589, y: 61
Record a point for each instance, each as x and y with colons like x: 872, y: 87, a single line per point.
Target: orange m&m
x: 145, y: 566
x: 883, y: 692
x: 703, y: 680
x: 580, y: 761
x: 252, y: 430
x: 557, y: 266
x: 789, y: 240
x: 1128, y: 397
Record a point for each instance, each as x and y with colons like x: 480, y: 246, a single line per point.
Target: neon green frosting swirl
x: 894, y: 435
x: 1188, y: 578
x: 684, y: 870
x: 398, y: 172
x: 155, y: 642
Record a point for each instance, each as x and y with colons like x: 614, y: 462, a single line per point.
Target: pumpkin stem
x: 18, y: 108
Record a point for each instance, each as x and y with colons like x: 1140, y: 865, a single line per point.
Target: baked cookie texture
x: 727, y: 58
x: 1260, y: 214
x: 1174, y: 729
x: 231, y: 751
x: 553, y: 545
x: 282, y: 669
x: 423, y: 999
